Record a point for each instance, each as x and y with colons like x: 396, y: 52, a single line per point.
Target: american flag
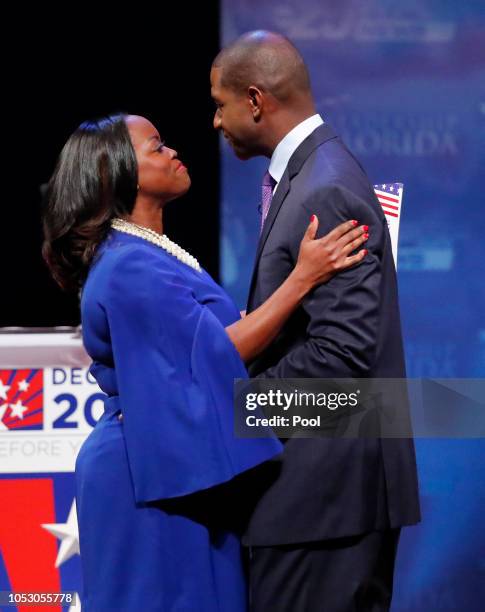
x: 21, y: 399
x: 390, y: 197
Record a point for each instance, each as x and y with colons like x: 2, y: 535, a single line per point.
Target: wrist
x: 300, y: 285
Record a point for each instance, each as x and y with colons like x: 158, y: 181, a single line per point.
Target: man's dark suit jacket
x: 348, y: 327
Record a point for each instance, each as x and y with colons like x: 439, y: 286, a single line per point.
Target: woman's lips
x: 181, y: 168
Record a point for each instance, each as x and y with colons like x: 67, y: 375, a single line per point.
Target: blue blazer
x: 155, y: 329
x: 154, y: 534
x: 348, y: 327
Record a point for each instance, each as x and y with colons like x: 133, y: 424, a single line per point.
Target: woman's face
x: 160, y: 174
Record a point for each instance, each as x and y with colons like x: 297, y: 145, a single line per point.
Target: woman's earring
x: 138, y: 187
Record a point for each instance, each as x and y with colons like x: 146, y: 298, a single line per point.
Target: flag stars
x: 24, y: 385
x: 3, y: 390
x: 17, y: 410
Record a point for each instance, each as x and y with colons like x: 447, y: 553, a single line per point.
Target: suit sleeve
x: 175, y: 367
x: 343, y: 314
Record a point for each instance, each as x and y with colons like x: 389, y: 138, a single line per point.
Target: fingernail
x: 312, y: 218
x: 365, y: 251
x: 354, y: 223
x: 366, y: 228
x: 365, y: 236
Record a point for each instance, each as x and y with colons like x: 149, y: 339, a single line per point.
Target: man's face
x: 234, y: 117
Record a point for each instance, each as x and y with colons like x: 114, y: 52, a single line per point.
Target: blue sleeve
x: 175, y: 367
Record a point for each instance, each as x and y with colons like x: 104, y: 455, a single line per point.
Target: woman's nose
x: 172, y: 152
x: 217, y: 121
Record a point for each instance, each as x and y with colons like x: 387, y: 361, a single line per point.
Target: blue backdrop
x: 404, y: 85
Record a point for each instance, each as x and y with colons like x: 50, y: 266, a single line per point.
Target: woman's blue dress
x: 154, y: 328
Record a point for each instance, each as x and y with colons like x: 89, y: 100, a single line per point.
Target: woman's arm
x: 318, y: 261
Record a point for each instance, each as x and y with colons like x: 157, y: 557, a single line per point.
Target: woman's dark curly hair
x: 94, y: 181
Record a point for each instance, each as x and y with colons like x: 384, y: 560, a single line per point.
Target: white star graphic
x: 24, y: 385
x: 3, y: 409
x: 3, y: 390
x: 75, y: 607
x: 391, y: 188
x: 18, y: 410
x: 383, y: 186
x: 68, y: 534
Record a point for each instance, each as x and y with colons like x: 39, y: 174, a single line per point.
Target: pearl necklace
x: 158, y: 239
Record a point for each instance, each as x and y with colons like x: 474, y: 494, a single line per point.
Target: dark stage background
x: 150, y: 63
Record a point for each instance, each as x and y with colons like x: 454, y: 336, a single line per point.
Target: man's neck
x: 284, y: 124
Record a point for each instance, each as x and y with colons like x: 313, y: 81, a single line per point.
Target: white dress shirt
x: 289, y: 144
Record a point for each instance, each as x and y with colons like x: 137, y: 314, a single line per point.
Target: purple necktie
x: 267, y: 195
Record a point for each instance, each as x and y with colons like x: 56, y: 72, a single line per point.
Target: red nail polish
x: 354, y: 223
x: 312, y: 218
x: 366, y: 236
x: 365, y: 251
x: 366, y: 228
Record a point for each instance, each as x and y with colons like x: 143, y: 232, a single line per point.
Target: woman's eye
x: 160, y: 147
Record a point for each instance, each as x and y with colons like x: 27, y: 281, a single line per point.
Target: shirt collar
x: 289, y: 144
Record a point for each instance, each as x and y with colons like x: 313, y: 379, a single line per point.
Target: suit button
x: 120, y: 417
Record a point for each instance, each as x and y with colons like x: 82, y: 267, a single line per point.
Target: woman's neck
x: 147, y: 216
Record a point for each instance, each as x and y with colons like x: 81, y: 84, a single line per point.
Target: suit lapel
x: 301, y: 154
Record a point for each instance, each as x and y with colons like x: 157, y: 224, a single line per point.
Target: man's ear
x: 255, y: 97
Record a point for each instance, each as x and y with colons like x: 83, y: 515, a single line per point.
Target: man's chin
x: 242, y: 154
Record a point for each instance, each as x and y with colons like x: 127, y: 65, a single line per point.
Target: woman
x: 166, y: 344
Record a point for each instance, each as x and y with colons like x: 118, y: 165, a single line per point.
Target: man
x: 323, y: 535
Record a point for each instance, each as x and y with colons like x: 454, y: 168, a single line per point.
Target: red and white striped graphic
x: 390, y: 199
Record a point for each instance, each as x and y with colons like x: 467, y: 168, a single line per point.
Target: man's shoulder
x: 335, y: 161
x: 332, y: 168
